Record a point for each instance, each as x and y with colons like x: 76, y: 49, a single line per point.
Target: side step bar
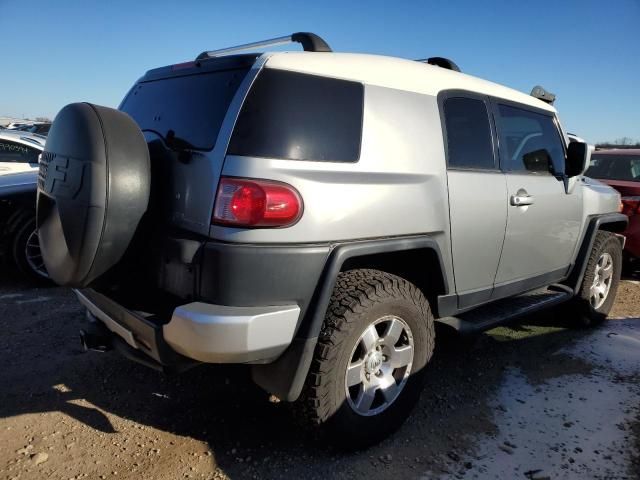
x: 508, y: 309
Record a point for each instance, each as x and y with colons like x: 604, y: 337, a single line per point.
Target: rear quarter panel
x: 398, y: 187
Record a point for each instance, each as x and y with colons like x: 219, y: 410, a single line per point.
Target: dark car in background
x: 620, y: 168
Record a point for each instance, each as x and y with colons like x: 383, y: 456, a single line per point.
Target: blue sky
x: 587, y: 52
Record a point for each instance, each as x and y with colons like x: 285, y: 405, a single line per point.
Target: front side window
x: 296, y: 116
x: 17, y: 153
x: 529, y: 141
x: 468, y: 133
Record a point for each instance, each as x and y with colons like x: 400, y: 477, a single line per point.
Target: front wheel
x: 600, y: 284
x: 369, y: 364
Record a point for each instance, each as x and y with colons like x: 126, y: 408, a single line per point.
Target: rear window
x: 192, y: 106
x: 614, y: 167
x: 296, y: 116
x: 468, y: 133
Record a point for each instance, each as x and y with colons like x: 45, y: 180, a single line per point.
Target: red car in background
x: 620, y: 169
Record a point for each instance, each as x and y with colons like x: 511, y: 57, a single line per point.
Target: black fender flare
x: 286, y: 376
x: 614, y: 222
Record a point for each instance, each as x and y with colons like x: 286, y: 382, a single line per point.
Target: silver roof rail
x: 310, y: 43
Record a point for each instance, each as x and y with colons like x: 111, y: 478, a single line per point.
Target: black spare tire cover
x: 93, y: 189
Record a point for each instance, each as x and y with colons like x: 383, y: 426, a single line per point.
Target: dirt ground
x: 533, y: 401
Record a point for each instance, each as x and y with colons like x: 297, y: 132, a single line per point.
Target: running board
x: 502, y: 311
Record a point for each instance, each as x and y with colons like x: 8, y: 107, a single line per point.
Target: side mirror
x: 578, y: 158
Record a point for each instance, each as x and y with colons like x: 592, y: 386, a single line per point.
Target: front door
x: 543, y: 219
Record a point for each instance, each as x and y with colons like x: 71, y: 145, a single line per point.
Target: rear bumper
x: 198, y: 332
x: 220, y: 334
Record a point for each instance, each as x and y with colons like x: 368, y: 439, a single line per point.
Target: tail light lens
x: 244, y: 202
x: 630, y: 205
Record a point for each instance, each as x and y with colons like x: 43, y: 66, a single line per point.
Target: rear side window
x: 300, y: 117
x: 17, y: 153
x: 529, y: 141
x: 191, y: 106
x: 468, y: 133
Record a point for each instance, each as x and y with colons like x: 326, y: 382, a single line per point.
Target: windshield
x: 188, y: 109
x: 614, y: 167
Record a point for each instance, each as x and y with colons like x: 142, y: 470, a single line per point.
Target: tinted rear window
x: 300, y: 117
x: 193, y: 106
x: 614, y: 167
x: 468, y: 133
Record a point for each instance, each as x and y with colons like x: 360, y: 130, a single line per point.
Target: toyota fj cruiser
x: 313, y: 214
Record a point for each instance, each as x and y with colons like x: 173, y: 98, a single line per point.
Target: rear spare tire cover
x: 93, y: 189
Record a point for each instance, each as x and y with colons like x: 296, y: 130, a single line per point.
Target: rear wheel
x: 600, y: 284
x: 368, y: 368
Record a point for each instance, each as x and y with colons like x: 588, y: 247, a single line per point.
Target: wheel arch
x: 399, y: 256
x: 612, y: 222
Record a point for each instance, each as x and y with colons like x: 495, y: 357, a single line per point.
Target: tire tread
x: 354, y: 292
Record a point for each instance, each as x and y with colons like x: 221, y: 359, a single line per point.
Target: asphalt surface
x: 535, y: 400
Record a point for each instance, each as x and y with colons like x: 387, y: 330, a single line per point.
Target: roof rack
x: 440, y: 62
x: 310, y: 43
x: 541, y: 94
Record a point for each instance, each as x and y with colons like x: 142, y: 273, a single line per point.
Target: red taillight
x: 630, y: 205
x: 256, y: 203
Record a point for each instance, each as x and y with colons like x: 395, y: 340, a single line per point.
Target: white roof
x: 394, y: 72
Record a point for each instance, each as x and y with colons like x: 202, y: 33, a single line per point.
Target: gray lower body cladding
x: 252, y: 276
x: 255, y: 275
x: 211, y: 295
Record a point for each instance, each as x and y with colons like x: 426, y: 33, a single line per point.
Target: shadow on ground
x: 44, y: 370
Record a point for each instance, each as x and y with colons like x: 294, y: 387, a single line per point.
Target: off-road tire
x: 360, y: 297
x: 581, y: 310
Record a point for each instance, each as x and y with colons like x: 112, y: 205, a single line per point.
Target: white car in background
x: 19, y: 151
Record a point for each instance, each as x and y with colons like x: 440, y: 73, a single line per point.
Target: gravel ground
x: 535, y: 400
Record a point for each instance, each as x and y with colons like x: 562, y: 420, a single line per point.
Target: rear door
x: 183, y: 112
x: 477, y: 193
x: 17, y: 157
x: 543, y: 221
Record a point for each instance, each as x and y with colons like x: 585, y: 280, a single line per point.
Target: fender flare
x: 286, y: 376
x: 616, y: 222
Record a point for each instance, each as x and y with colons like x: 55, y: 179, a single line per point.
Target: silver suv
x: 314, y: 214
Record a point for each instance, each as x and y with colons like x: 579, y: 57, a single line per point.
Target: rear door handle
x: 522, y: 199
